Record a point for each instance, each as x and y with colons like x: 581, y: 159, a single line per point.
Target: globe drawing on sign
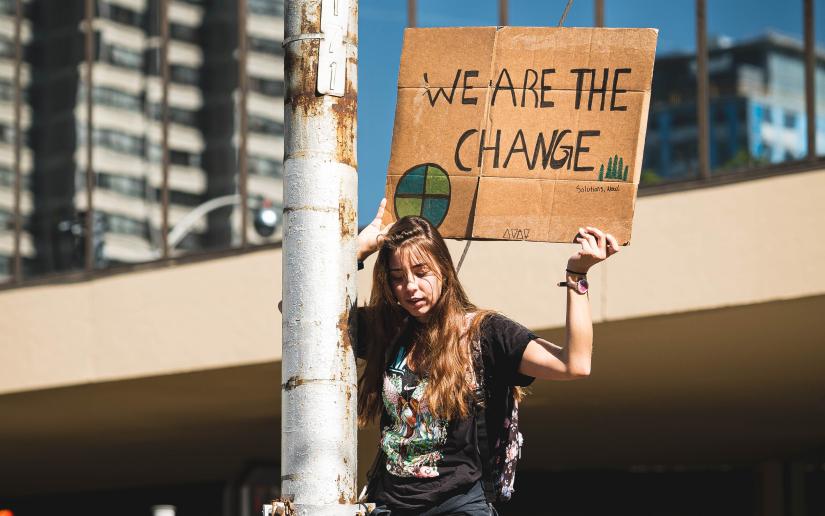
x: 423, y: 191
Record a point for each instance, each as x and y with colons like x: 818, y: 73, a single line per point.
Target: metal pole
x: 599, y: 7
x: 90, y: 171
x: 810, y: 70
x: 18, y: 141
x: 502, y: 13
x: 243, y: 119
x: 702, y: 96
x: 411, y: 13
x: 318, y: 393
x: 164, y: 120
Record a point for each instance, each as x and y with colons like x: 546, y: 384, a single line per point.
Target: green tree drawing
x: 616, y: 170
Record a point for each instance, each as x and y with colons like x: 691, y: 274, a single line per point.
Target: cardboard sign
x: 517, y: 133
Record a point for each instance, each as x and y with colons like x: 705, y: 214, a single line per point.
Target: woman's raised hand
x: 370, y: 236
x: 596, y: 246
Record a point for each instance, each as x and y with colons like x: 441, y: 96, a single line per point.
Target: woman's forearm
x: 579, y: 333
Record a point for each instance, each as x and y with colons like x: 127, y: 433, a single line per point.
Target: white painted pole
x: 318, y: 427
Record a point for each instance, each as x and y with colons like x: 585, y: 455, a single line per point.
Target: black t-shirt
x: 427, y: 459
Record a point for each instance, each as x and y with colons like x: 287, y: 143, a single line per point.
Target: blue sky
x: 382, y: 22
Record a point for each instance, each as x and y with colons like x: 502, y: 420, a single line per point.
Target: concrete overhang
x: 709, y: 349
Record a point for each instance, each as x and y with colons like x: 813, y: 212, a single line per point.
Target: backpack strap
x: 482, y: 440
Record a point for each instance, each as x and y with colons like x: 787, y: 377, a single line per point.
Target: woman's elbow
x: 578, y: 372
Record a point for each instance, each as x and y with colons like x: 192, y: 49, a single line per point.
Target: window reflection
x: 7, y: 119
x: 126, y: 130
x: 757, y: 107
x: 54, y: 144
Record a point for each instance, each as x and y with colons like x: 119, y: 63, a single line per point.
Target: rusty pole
x: 412, y: 12
x: 599, y: 13
x: 702, y: 94
x: 810, y: 85
x: 318, y: 391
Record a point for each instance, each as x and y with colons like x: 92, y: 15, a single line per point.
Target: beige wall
x: 211, y: 314
x: 739, y: 244
x: 742, y: 243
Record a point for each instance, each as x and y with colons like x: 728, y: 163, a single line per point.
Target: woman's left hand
x: 596, y: 247
x: 370, y: 237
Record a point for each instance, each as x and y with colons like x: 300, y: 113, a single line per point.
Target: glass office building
x: 756, y: 111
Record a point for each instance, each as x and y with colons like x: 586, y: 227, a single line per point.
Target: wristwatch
x: 579, y: 286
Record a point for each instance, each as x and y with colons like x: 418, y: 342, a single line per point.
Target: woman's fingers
x: 380, y: 215
x: 590, y: 240
x: 585, y: 243
x: 612, y: 243
x: 599, y: 236
x: 596, y: 246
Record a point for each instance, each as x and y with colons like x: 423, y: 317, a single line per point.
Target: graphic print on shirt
x: 414, y: 439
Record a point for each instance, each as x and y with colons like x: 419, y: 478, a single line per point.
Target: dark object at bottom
x: 471, y: 503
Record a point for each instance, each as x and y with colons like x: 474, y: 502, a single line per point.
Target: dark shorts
x: 471, y: 503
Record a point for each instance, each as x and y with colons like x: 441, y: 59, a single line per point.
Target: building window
x: 265, y: 167
x: 183, y: 158
x: 155, y: 153
x: 117, y: 55
x: 265, y: 46
x: 7, y: 7
x: 789, y: 120
x: 151, y: 58
x: 183, y: 32
x: 182, y: 198
x: 268, y: 87
x: 259, y: 124
x: 112, y: 97
x: 6, y: 219
x: 6, y: 91
x: 119, y: 142
x: 7, y: 134
x: 129, y: 186
x: 177, y: 115
x: 116, y: 223
x: 184, y: 74
x: 122, y: 15
x: 6, y: 48
x: 6, y: 177
x: 267, y: 7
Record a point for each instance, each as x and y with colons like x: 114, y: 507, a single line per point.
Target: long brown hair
x: 439, y: 347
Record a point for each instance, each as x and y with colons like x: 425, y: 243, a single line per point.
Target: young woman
x: 417, y: 335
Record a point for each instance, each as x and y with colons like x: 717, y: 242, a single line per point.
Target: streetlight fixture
x: 266, y: 219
